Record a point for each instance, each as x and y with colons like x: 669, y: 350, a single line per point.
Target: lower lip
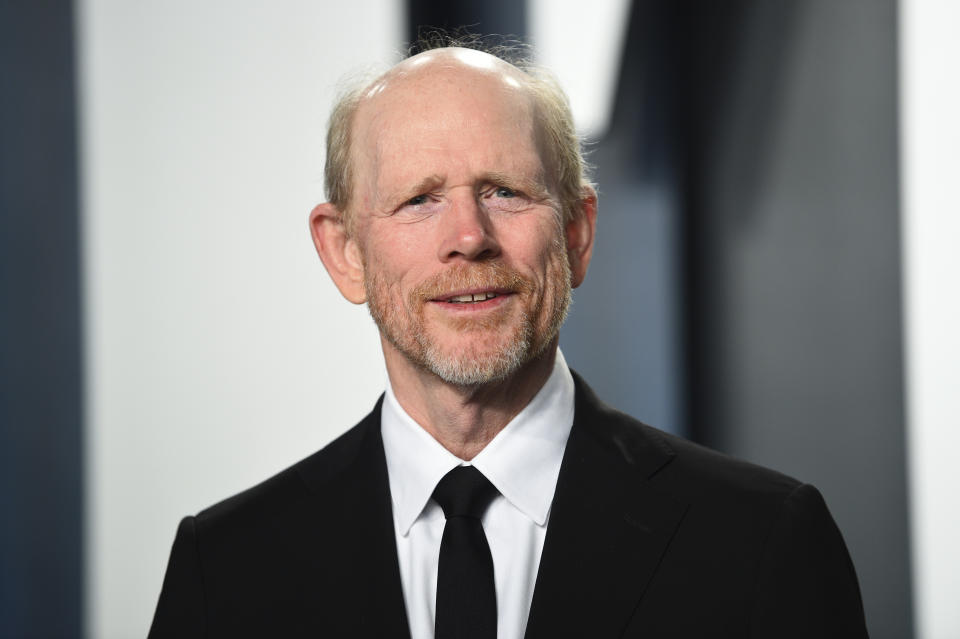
x: 473, y: 307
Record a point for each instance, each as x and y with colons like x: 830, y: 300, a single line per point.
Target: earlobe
x: 580, y: 232
x: 338, y: 252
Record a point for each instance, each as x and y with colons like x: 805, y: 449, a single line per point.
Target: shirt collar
x: 522, y: 461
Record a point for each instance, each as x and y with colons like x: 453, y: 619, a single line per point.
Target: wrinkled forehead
x: 453, y: 103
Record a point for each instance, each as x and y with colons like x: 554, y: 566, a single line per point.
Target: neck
x: 464, y: 419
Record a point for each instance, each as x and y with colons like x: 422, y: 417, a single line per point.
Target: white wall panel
x: 582, y: 43
x: 930, y: 137
x: 217, y: 351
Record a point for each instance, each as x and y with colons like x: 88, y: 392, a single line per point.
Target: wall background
x: 929, y: 139
x: 793, y: 236
x: 217, y: 350
x: 41, y: 427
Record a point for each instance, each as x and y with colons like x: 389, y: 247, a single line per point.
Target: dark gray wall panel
x: 797, y: 294
x: 487, y: 17
x: 40, y: 406
x: 625, y: 331
x: 624, y: 327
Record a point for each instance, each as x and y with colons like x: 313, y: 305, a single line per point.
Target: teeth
x: 478, y: 297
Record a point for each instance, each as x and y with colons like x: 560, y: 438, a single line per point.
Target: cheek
x: 398, y: 246
x: 389, y: 276
x: 545, y: 250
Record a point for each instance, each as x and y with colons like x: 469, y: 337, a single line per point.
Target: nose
x: 466, y: 231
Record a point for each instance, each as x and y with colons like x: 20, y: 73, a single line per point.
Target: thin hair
x: 555, y: 135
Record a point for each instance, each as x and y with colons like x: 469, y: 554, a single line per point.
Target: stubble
x: 503, y: 342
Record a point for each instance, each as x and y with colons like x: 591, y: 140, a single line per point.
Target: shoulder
x: 751, y: 547
x: 690, y: 472
x: 699, y: 472
x: 310, y: 479
x: 666, y: 457
x: 257, y: 562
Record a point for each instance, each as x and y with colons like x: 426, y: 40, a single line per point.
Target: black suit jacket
x: 649, y: 536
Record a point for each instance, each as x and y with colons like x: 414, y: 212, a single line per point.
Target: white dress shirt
x: 522, y: 461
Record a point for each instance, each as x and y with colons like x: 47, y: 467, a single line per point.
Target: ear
x: 339, y: 252
x: 580, y: 231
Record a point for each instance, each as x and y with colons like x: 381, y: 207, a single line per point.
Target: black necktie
x: 466, y: 596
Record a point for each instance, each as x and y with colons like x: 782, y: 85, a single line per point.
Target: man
x: 489, y: 493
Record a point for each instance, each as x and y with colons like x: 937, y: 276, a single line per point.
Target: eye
x: 505, y: 199
x: 419, y: 207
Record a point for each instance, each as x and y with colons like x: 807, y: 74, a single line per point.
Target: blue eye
x: 417, y: 200
x: 503, y: 191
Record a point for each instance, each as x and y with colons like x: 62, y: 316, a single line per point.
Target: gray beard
x: 465, y: 369
x: 462, y: 369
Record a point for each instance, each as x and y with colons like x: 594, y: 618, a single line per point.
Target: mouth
x: 470, y: 298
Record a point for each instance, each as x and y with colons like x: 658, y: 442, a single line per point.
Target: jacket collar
x: 608, y: 527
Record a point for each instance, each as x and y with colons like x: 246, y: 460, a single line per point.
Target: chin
x: 482, y: 363
x: 474, y: 372
x: 477, y: 363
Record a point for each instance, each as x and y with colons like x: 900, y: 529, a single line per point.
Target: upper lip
x: 471, y: 291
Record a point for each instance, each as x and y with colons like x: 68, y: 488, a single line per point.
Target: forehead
x: 451, y: 72
x: 446, y: 111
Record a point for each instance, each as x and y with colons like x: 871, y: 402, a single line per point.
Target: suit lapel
x: 608, y: 527
x: 368, y: 592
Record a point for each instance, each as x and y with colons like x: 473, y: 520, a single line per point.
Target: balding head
x: 450, y: 61
x: 419, y: 87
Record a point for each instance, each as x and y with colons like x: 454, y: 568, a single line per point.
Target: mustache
x: 488, y: 275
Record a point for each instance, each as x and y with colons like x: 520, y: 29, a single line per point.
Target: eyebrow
x: 428, y: 183
x: 533, y: 188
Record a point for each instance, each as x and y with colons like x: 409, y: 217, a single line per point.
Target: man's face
x: 465, y: 265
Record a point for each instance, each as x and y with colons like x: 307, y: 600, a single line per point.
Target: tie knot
x: 464, y: 492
